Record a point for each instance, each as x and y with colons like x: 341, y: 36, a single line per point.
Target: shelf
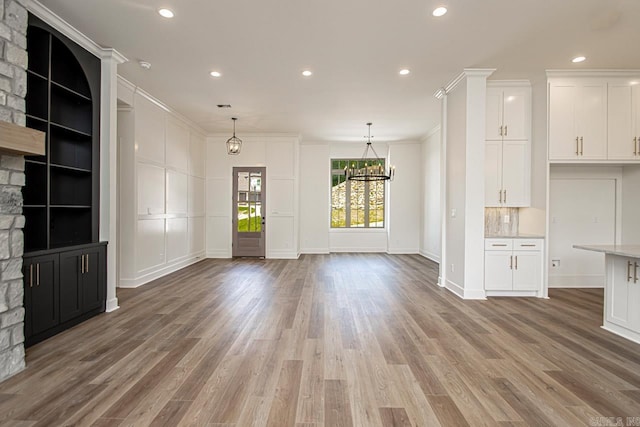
x: 40, y: 76
x: 70, y: 110
x: 66, y: 70
x: 70, y: 148
x: 69, y: 227
x: 36, y: 222
x: 71, y: 91
x: 71, y: 206
x: 38, y: 41
x: 35, y: 190
x: 69, y: 187
x: 35, y: 162
x: 67, y: 128
x: 36, y: 119
x: 70, y: 168
x: 20, y: 140
x: 34, y: 206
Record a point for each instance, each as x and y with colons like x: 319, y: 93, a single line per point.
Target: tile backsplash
x: 494, y: 221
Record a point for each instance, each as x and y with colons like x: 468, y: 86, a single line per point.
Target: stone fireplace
x: 13, y: 88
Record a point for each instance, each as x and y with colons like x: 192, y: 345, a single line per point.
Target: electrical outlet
x: 507, y: 219
x: 555, y: 263
x: 453, y: 213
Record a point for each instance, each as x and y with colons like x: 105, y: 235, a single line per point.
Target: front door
x: 249, y: 208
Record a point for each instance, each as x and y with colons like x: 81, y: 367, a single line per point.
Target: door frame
x: 235, y: 235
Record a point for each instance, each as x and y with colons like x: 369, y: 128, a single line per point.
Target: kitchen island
x: 622, y: 289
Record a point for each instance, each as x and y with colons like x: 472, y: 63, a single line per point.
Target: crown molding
x: 508, y: 83
x: 593, y: 73
x: 432, y: 132
x: 467, y: 72
x: 44, y: 13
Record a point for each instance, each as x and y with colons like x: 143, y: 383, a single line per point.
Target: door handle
x: 38, y: 274
x: 629, y: 271
x: 577, y: 146
x: 581, y: 146
x: 31, y: 276
x: 87, y: 262
x: 81, y: 264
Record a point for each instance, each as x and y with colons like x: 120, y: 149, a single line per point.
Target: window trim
x: 348, y: 227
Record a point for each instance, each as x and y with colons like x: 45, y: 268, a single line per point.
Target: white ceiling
x: 355, y: 49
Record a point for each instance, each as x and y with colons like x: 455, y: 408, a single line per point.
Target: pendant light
x: 369, y: 168
x: 234, y: 144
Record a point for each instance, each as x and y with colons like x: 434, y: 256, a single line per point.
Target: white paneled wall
x: 279, y: 154
x: 161, y: 187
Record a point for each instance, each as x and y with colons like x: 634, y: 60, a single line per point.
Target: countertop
x: 632, y: 251
x: 513, y: 236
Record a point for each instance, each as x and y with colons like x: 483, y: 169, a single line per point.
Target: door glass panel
x: 249, y: 217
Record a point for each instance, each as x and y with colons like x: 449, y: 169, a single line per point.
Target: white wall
x: 161, y: 189
x: 280, y: 156
x: 430, y: 229
x: 315, y: 181
x: 584, y: 208
x: 455, y: 186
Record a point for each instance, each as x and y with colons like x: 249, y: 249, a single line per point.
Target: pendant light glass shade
x: 369, y: 168
x: 234, y: 144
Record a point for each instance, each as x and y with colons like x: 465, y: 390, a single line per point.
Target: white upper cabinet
x: 508, y: 113
x: 508, y: 145
x: 624, y: 121
x: 577, y: 120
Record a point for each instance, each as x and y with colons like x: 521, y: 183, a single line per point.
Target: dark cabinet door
x: 41, y: 282
x: 70, y: 285
x: 92, y: 279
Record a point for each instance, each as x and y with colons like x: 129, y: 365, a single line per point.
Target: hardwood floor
x: 328, y: 340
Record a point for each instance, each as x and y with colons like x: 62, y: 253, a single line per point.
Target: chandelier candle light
x: 372, y: 169
x: 234, y: 144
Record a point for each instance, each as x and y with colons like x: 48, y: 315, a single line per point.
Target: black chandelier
x: 234, y: 144
x: 372, y: 169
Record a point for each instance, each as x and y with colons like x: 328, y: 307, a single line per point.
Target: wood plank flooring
x: 328, y: 340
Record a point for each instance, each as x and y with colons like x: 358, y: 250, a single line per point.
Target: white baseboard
x: 455, y: 288
x: 320, y: 251
x: 623, y: 332
x: 112, y: 305
x: 577, y: 281
x: 512, y: 294
x: 218, y: 254
x: 465, y: 293
x: 279, y: 254
x: 403, y: 251
x: 359, y: 250
x: 158, y: 273
x: 433, y: 257
x: 440, y: 282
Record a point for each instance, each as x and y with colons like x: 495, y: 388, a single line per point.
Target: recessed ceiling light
x: 439, y: 11
x: 166, y: 13
x: 578, y: 59
x: 215, y: 74
x: 307, y: 73
x: 404, y: 72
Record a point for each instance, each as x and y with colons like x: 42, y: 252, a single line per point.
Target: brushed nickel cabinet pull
x: 516, y: 262
x: 498, y: 244
x: 635, y: 146
x: 31, y: 276
x: 82, y: 264
x: 511, y: 262
x: 581, y: 146
x: 500, y: 195
x: 506, y: 130
x: 635, y: 272
x: 528, y: 246
x: 500, y: 130
x: 505, y: 196
x: 629, y: 271
x: 38, y: 274
x: 577, y: 146
x: 87, y: 263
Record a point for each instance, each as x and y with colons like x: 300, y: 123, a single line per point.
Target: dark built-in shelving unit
x: 61, y: 194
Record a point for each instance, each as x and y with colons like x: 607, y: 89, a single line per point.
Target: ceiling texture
x: 355, y: 49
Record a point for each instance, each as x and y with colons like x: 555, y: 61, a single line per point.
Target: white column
x: 110, y: 59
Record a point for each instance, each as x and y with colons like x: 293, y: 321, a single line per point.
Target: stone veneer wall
x: 13, y: 88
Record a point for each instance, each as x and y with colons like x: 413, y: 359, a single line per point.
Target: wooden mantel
x: 20, y: 140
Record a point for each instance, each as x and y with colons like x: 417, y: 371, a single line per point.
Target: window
x: 355, y: 204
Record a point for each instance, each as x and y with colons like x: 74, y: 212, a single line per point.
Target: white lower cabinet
x: 623, y: 293
x: 513, y: 267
